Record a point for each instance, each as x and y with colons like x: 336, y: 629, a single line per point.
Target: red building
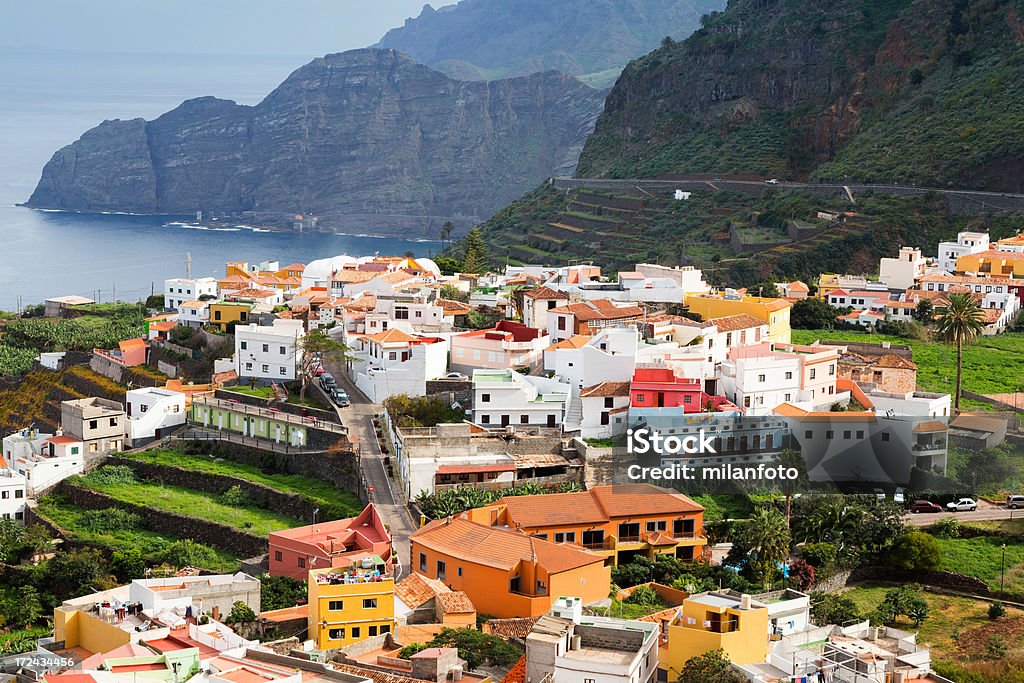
x: 661, y: 388
x: 294, y: 552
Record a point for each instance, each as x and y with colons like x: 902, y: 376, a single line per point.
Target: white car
x: 773, y: 181
x: 899, y: 497
x: 962, y: 505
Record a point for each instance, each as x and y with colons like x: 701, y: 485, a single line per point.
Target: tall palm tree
x: 766, y: 536
x: 960, y: 323
x: 791, y: 459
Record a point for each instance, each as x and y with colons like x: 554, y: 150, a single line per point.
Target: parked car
x: 340, y: 398
x: 773, y: 181
x: 456, y: 375
x: 327, y: 381
x: 1014, y: 502
x: 924, y: 506
x: 963, y: 505
x: 316, y: 368
x: 899, y: 496
x: 879, y: 494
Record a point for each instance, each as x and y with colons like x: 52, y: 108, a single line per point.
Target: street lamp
x: 1002, y: 569
x: 315, y: 511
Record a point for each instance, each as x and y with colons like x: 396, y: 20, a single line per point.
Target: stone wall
x: 338, y: 466
x: 202, y: 531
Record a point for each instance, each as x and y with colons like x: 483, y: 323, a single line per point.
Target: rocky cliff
x: 924, y: 91
x: 592, y: 39
x: 366, y: 140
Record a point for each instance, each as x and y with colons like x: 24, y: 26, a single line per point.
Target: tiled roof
x: 500, y: 548
x: 606, y: 389
x: 352, y: 276
x: 977, y: 423
x: 392, y: 336
x: 891, y: 360
x: 545, y: 293
x: 596, y: 506
x: 517, y: 674
x: 453, y: 307
x: 194, y: 304
x: 640, y: 499
x: 455, y: 602
x: 416, y: 589
x: 929, y: 426
x: 790, y: 410
x: 731, y: 323
x: 576, y: 342
x: 253, y: 293
x: 598, y: 309
x: 798, y: 286
x: 517, y: 627
x: 375, y: 675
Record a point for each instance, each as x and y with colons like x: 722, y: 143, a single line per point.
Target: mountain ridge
x: 363, y: 139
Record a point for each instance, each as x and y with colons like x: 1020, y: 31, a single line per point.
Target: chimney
x: 745, y: 601
x: 576, y: 643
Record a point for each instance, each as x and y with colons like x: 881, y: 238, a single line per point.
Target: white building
x: 153, y: 412
x: 505, y: 397
x: 565, y: 647
x: 537, y: 302
x: 12, y: 495
x: 410, y: 313
x: 44, y: 460
x: 508, y: 344
x: 910, y: 404
x: 604, y: 410
x: 269, y: 352
x: 194, y: 313
x: 966, y: 243
x: 180, y: 289
x: 904, y: 270
x: 608, y: 356
x: 759, y: 378
x: 390, y: 363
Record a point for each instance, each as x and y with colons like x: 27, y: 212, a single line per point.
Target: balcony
x: 605, y: 544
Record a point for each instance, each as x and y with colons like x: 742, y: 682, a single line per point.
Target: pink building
x: 294, y: 552
x: 508, y: 345
x: 659, y: 387
x: 128, y: 353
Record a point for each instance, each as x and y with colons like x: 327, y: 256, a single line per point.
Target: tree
x: 819, y: 555
x: 766, y: 289
x: 12, y: 535
x: 903, y: 601
x: 802, y: 573
x: 960, y: 323
x: 766, y: 537
x: 446, y: 232
x: 76, y: 573
x: 813, y: 314
x: 642, y: 595
x: 477, y: 648
x: 924, y: 312
x: 710, y: 667
x: 447, y: 264
x: 996, y: 611
x: 24, y: 609
x: 127, y: 564
x: 475, y: 256
x: 281, y: 592
x: 240, y: 613
x: 791, y: 459
x: 916, y: 553
x: 453, y: 293
x: 316, y: 345
x: 833, y: 608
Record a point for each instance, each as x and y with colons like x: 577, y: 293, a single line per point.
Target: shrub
x: 947, y: 528
x: 240, y: 613
x: 996, y: 611
x: 127, y: 564
x: 188, y: 553
x: 831, y: 608
x: 110, y: 520
x: 916, y: 552
x: 820, y: 555
x: 234, y: 496
x: 996, y: 648
x: 111, y: 475
x: 642, y: 595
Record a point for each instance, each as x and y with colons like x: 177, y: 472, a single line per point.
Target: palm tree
x: 766, y: 536
x: 961, y: 322
x: 790, y: 459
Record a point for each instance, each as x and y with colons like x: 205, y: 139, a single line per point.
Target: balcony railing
x: 605, y: 544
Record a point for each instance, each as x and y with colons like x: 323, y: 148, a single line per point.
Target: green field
x: 982, y: 557
x: 992, y: 365
x: 191, y: 503
x: 957, y: 631
x: 334, y: 503
x: 149, y: 543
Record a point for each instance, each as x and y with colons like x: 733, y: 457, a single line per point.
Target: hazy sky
x: 285, y: 27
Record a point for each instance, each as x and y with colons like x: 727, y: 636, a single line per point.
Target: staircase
x: 573, y: 414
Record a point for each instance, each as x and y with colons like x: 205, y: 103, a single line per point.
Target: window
x: 393, y: 355
x: 485, y: 419
x: 248, y: 366
x: 829, y: 434
x: 335, y: 605
x: 746, y: 401
x: 656, y: 526
x: 760, y: 378
x: 860, y: 433
x: 266, y: 368
x: 369, y: 603
x: 813, y: 373
x: 19, y: 493
x: 885, y: 436
x: 93, y: 424
x: 5, y: 495
x: 266, y: 348
x: 336, y: 634
x: 74, y: 450
x: 283, y: 350
x: 542, y: 537
x: 485, y: 398
x: 831, y: 370
x: 808, y: 434
x: 561, y: 323
x: 787, y: 397
x: 565, y: 537
x: 846, y: 433
x: 687, y: 398
x: 302, y: 563
x: 524, y: 419
x: 609, y: 402
x: 460, y: 571
x: 789, y: 375
x: 423, y: 562
x: 277, y: 556
x: 442, y: 569
x: 639, y: 398
x: 283, y: 371
x: 216, y: 315
x: 373, y: 631
x: 243, y: 345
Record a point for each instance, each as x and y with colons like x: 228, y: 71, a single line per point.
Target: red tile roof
x: 455, y: 602
x: 596, y: 506
x: 544, y: 293
x: 598, y: 309
x: 475, y: 469
x: 416, y: 589
x: 606, y: 389
x: 731, y: 323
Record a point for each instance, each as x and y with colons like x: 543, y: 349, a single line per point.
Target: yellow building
x: 993, y: 263
x: 775, y: 312
x: 223, y: 313
x: 347, y: 605
x: 724, y: 620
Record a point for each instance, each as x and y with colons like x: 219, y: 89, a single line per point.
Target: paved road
x: 386, y: 495
x: 985, y: 511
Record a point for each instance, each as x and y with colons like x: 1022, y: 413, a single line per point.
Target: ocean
x: 51, y: 98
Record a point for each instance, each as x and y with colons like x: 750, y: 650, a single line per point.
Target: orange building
x: 337, y: 543
x: 506, y: 573
x: 619, y: 522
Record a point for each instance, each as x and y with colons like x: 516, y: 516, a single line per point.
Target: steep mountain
x: 925, y: 91
x: 366, y: 139
x: 591, y: 39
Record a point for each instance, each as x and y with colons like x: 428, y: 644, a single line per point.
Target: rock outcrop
x: 366, y: 140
